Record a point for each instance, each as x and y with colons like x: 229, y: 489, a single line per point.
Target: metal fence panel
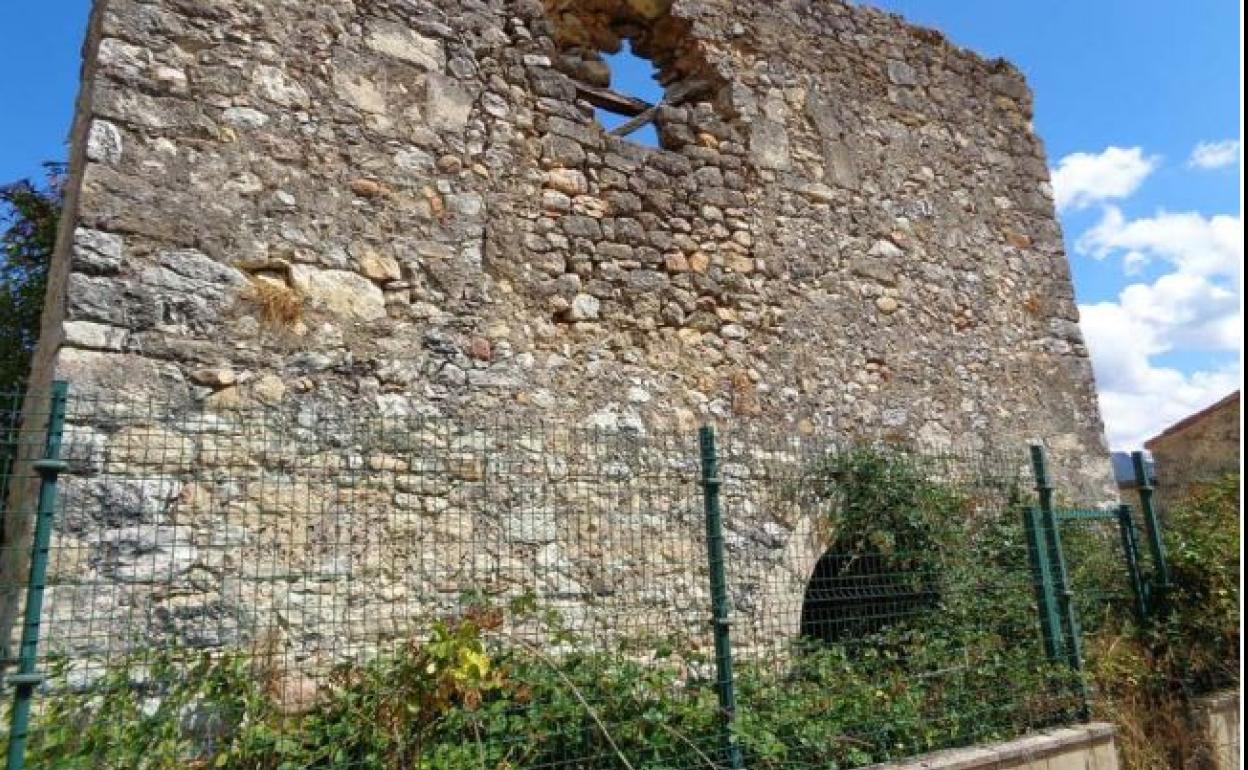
x: 289, y: 588
x: 905, y: 615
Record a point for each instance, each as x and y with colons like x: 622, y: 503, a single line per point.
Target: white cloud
x: 1138, y: 398
x: 1168, y: 396
x: 1192, y: 243
x: 1214, y: 155
x: 1185, y: 312
x: 1193, y: 308
x: 1083, y: 179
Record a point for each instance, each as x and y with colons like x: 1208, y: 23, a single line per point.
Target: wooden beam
x: 624, y: 129
x: 675, y: 95
x: 612, y: 101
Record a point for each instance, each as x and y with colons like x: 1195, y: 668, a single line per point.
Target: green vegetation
x: 455, y: 701
x: 1203, y: 549
x: 968, y: 667
x: 29, y: 215
x: 1146, y: 678
x: 965, y: 665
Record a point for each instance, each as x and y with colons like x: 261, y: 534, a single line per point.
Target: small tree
x: 29, y: 215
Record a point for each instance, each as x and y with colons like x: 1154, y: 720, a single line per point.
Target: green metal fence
x: 1116, y: 559
x: 291, y: 588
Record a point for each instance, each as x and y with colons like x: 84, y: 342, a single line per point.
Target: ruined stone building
x: 408, y: 208
x: 1198, y: 450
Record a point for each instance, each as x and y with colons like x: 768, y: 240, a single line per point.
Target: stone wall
x: 407, y: 210
x: 406, y: 207
x: 1200, y: 448
x: 327, y: 536
x: 1220, y: 718
x: 1088, y: 747
x: 316, y: 537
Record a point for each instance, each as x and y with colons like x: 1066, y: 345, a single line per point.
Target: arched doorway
x: 856, y: 592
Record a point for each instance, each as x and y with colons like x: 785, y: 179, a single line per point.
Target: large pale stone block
x: 407, y: 45
x: 345, y: 294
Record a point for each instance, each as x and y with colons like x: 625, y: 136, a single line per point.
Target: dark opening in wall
x: 853, y: 593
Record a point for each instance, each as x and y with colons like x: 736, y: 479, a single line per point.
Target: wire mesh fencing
x: 289, y: 588
x: 1160, y: 618
x: 903, y: 611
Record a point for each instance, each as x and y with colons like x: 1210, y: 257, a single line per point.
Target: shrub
x: 965, y: 667
x: 1202, y: 611
x: 455, y: 702
x: 1146, y: 678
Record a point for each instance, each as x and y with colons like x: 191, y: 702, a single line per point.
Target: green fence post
x: 1152, y: 522
x: 27, y: 678
x: 1131, y: 553
x: 1065, y: 596
x: 1042, y: 577
x: 719, y: 595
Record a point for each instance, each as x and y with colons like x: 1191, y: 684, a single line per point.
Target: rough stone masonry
x: 408, y: 208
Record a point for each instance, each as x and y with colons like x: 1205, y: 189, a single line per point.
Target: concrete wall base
x: 1220, y: 716
x: 1084, y: 747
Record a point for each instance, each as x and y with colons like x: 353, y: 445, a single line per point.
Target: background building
x: 1198, y: 448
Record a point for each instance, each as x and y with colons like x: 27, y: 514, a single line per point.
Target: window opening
x: 628, y: 60
x: 636, y: 77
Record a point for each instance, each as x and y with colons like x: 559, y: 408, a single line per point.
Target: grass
x: 280, y: 305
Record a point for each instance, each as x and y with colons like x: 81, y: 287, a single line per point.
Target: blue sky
x: 1126, y: 91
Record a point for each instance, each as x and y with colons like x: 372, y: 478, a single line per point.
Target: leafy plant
x: 29, y: 216
x: 452, y: 703
x: 1201, y: 613
x: 967, y: 667
x: 1148, y: 677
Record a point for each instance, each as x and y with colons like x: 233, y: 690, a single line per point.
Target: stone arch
x: 603, y: 25
x: 820, y: 565
x: 810, y: 539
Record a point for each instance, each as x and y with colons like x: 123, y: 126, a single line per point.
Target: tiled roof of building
x: 1192, y: 419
